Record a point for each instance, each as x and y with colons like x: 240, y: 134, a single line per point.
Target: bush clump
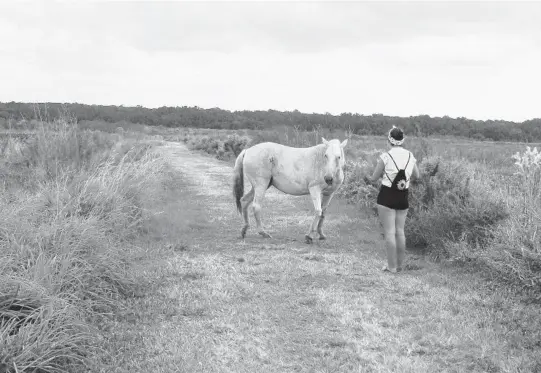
x: 453, y: 200
x: 225, y: 148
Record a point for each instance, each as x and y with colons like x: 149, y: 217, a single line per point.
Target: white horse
x: 317, y: 170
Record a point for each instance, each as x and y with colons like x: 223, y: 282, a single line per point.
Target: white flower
x: 401, y: 185
x: 527, y: 161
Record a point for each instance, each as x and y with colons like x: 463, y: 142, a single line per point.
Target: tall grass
x: 71, y: 202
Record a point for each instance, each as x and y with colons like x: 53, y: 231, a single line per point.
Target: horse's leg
x: 246, y: 201
x: 325, y: 201
x: 315, y: 193
x: 260, y: 188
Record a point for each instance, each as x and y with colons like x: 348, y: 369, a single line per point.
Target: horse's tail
x: 238, y: 179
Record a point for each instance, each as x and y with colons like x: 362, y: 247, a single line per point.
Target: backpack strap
x: 409, y: 156
x: 394, y: 161
x: 406, y: 166
x: 388, y: 177
x: 386, y: 171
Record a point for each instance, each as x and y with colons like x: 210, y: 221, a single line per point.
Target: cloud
x: 302, y: 27
x: 460, y: 59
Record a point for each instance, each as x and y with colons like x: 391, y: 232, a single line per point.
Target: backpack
x: 400, y: 180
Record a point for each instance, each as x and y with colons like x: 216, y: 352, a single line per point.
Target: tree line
x: 374, y: 124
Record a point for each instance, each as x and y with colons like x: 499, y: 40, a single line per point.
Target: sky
x: 480, y: 60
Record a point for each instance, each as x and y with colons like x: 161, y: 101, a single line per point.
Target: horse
x: 317, y: 170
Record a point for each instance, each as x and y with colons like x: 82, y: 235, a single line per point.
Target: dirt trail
x: 280, y: 305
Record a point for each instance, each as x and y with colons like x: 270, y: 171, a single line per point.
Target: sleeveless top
x: 400, y: 156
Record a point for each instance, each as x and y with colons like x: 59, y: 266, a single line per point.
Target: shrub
x: 234, y: 144
x: 228, y: 147
x: 354, y: 189
x: 452, y: 201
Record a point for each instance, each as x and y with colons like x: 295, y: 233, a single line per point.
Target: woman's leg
x: 387, y: 216
x: 400, y: 221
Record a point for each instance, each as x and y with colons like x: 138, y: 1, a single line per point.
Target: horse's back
x: 277, y: 149
x: 287, y: 168
x: 270, y: 145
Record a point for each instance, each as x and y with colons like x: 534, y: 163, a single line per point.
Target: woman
x: 392, y: 202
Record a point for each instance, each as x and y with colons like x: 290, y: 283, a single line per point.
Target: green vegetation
x: 73, y: 201
x: 375, y: 124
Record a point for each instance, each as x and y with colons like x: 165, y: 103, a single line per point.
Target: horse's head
x: 334, y: 160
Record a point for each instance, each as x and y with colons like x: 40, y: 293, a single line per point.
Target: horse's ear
x: 344, y: 143
x: 325, y: 141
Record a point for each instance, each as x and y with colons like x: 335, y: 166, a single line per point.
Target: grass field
x: 218, y: 304
x: 123, y: 249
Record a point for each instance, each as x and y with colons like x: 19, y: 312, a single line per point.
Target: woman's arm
x: 377, y: 172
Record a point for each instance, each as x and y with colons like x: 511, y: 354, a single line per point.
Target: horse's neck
x: 319, y: 149
x: 317, y: 153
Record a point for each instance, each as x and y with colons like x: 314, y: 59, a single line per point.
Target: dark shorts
x: 393, y: 199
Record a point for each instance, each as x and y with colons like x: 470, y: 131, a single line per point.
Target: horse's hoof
x: 322, y: 236
x: 308, y: 239
x: 243, y: 232
x: 265, y: 234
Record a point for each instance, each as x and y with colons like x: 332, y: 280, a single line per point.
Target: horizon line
x: 270, y: 109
